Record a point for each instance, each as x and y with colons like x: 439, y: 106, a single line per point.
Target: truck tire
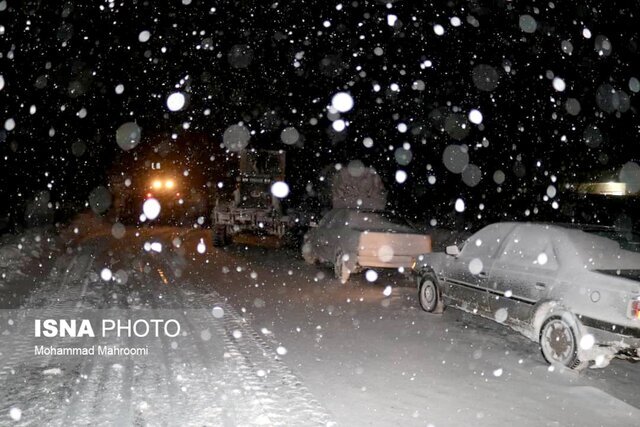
x: 219, y: 237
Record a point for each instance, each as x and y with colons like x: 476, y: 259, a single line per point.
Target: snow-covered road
x: 217, y: 371
x: 293, y: 347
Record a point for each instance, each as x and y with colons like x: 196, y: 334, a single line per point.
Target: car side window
x: 530, y: 247
x: 485, y: 243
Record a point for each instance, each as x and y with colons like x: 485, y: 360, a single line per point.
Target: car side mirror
x: 452, y: 250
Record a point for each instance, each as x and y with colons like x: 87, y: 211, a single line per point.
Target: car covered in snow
x: 575, y: 292
x: 353, y: 239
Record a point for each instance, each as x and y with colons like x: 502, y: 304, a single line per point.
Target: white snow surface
x: 378, y: 360
x: 218, y: 371
x: 18, y: 251
x: 362, y: 354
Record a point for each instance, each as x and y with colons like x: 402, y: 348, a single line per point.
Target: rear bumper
x: 396, y: 261
x: 612, y: 335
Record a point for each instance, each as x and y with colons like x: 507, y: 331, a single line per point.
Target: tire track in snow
x: 19, y: 349
x: 125, y: 414
x: 282, y: 395
x: 276, y: 396
x: 219, y: 381
x: 47, y: 301
x: 212, y: 376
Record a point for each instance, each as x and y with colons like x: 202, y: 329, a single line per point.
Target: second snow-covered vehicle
x: 576, y: 293
x: 352, y: 239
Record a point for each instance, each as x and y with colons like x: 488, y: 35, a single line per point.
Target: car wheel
x: 340, y: 269
x: 429, y: 295
x: 307, y: 252
x: 559, y: 343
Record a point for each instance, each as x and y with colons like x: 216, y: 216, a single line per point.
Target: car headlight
x: 169, y: 184
x: 157, y: 184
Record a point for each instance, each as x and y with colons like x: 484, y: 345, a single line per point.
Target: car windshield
x: 237, y: 213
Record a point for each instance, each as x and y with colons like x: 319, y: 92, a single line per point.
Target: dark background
x: 236, y: 58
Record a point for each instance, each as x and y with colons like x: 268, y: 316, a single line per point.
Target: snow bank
x: 18, y: 250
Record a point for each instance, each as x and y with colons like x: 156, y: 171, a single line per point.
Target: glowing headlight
x: 169, y: 184
x: 157, y: 184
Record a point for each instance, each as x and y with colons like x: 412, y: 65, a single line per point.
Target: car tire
x: 429, y: 295
x: 306, y: 251
x: 559, y: 342
x: 340, y: 269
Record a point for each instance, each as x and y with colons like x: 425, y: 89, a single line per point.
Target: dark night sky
x: 237, y: 58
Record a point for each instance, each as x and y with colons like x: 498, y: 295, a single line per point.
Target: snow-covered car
x: 574, y: 292
x: 352, y: 239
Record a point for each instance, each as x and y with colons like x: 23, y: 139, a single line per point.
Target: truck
x: 177, y: 173
x: 250, y: 214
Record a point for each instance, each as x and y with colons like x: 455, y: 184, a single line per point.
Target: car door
x: 467, y: 276
x: 335, y: 233
x: 318, y: 237
x: 524, y: 273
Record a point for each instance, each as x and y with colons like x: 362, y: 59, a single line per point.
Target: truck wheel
x: 429, y: 295
x: 559, y: 343
x: 219, y: 237
x: 340, y: 269
x: 228, y: 237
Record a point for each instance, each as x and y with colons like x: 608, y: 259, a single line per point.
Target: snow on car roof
x: 601, y: 253
x: 593, y: 251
